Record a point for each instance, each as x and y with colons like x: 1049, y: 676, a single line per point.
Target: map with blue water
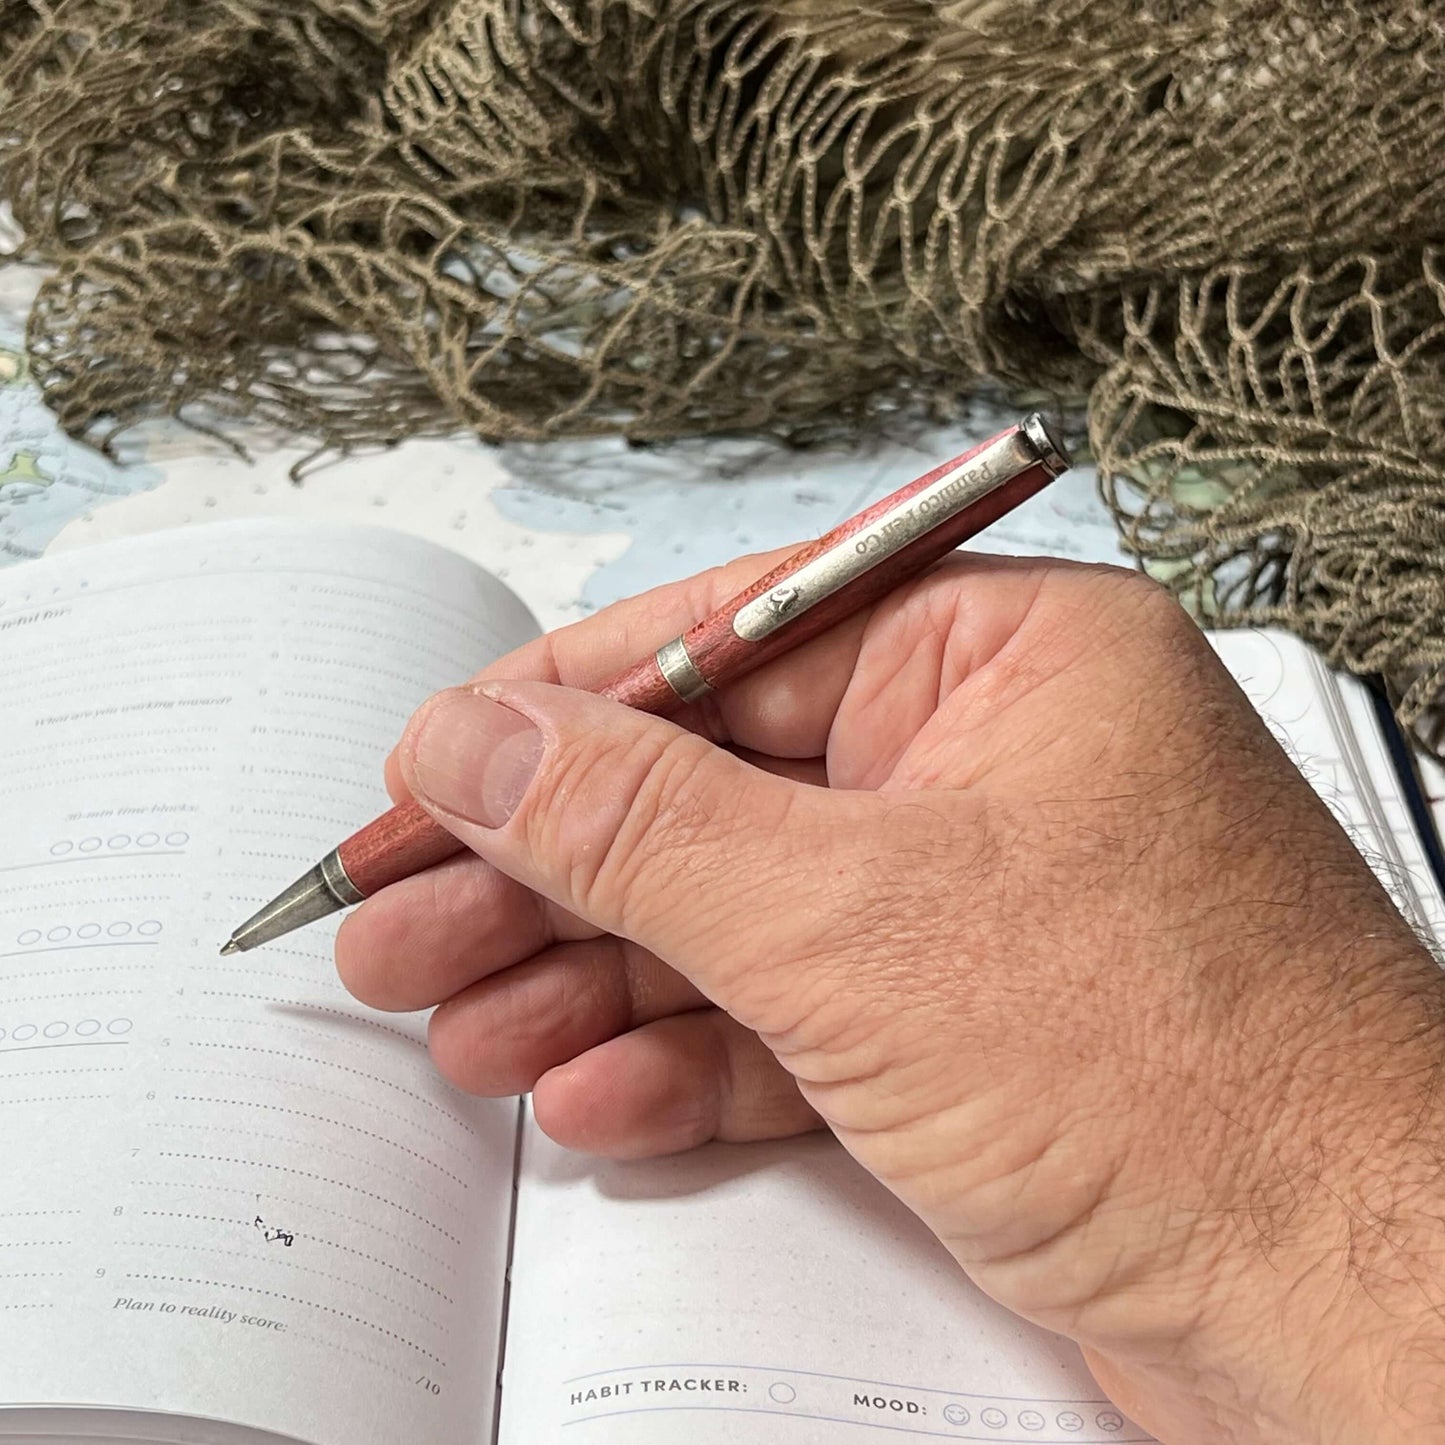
x: 571, y: 526
x: 46, y: 479
x: 693, y: 504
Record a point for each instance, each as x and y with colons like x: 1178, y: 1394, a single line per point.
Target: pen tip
x: 229, y: 947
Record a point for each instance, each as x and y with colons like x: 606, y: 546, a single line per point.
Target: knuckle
x: 1125, y: 615
x: 666, y: 831
x: 624, y: 820
x: 1150, y: 604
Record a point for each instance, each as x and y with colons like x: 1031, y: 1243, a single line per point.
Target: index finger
x: 767, y: 711
x: 784, y: 709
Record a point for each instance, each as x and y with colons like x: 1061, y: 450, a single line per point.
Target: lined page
x: 229, y: 1189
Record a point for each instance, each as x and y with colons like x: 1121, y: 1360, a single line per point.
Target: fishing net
x: 363, y: 219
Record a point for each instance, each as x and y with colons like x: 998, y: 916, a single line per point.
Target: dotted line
x: 354, y: 1018
x: 37, y: 1213
x: 183, y: 1214
x: 321, y: 1089
x: 311, y: 1059
x: 85, y: 899
x: 330, y: 985
x: 137, y: 662
x: 447, y: 660
x: 395, y: 1268
x: 307, y: 955
x: 291, y: 1299
x: 316, y: 1238
x: 42, y: 1073
x: 320, y: 1178
x: 161, y: 743
x: 349, y: 1350
x: 27, y: 1307
x: 313, y: 1144
x: 55, y: 1099
x: 319, y: 1033
x: 46, y: 770
x: 144, y: 737
x: 428, y: 615
x: 146, y: 660
x: 158, y: 629
x: 84, y: 993
x: 326, y: 818
x: 99, y: 968
x: 323, y: 1119
x: 157, y: 639
x: 283, y: 1261
x: 150, y: 651
x: 411, y: 682
x: 311, y: 777
x: 355, y: 700
x: 34, y: 1243
x: 310, y: 735
x: 142, y: 670
x: 308, y: 840
x: 241, y: 872
x: 36, y: 1274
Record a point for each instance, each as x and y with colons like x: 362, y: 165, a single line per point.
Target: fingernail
x: 475, y: 757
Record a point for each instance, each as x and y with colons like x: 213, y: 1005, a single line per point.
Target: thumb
x: 634, y: 824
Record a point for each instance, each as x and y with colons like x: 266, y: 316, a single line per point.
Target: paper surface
x: 770, y: 1293
x: 230, y: 1189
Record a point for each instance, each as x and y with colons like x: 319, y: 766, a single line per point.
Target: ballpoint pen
x: 842, y: 572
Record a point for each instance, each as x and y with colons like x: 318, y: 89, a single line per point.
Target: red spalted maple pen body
x: 720, y: 655
x: 406, y: 840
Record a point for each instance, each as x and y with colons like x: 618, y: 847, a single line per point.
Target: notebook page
x: 762, y: 1293
x: 228, y: 1189
x: 1327, y: 723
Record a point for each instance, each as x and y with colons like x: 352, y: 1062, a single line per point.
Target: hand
x: 1005, y: 884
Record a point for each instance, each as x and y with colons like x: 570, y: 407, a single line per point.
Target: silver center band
x: 675, y: 664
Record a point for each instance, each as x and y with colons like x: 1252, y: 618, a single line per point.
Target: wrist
x: 1341, y: 1237
x: 1414, y: 1403
x: 1373, y: 1366
x: 1301, y: 1300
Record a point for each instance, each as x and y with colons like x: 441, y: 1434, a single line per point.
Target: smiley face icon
x: 995, y: 1419
x: 956, y: 1414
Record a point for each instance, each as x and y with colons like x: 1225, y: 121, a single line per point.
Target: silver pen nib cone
x: 318, y: 893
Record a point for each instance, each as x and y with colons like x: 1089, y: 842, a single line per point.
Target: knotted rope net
x: 1220, y: 223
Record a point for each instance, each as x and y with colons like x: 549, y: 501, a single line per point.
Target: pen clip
x: 901, y: 525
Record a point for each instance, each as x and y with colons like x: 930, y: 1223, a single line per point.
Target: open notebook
x: 233, y: 1201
